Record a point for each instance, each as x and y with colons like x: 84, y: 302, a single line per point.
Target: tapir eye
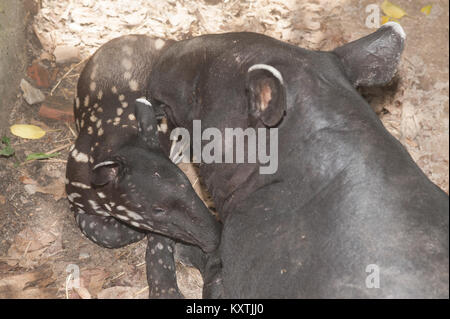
x: 158, y: 209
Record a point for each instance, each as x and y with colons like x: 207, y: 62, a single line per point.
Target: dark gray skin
x: 120, y: 184
x: 346, y: 194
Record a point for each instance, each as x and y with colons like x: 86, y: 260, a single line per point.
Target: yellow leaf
x: 392, y: 10
x: 27, y: 131
x: 384, y: 19
x: 426, y: 9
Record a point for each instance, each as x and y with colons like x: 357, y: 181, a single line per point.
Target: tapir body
x: 348, y: 214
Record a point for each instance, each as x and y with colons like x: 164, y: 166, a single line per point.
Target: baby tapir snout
x: 153, y: 192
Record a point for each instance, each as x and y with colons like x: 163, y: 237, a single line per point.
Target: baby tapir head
x: 153, y: 193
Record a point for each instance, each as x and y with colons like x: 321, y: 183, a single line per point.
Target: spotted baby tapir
x: 120, y: 184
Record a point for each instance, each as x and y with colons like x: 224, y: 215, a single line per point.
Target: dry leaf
x: 56, y: 189
x: 121, y: 292
x: 384, y: 19
x: 93, y: 280
x: 83, y: 293
x: 28, y: 246
x: 392, y: 10
x: 426, y: 9
x: 28, y: 285
x: 27, y: 131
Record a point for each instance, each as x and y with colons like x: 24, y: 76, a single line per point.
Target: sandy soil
x: 38, y: 235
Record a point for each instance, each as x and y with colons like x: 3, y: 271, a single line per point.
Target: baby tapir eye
x: 158, y: 209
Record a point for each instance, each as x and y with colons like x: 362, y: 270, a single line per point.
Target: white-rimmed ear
x: 373, y: 60
x: 147, y: 123
x: 266, y: 94
x: 105, y: 172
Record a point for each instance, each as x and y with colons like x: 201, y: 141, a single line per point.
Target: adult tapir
x: 347, y: 214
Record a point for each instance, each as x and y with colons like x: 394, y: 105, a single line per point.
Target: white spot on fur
x: 121, y: 97
x: 93, y: 118
x: 72, y: 196
x: 126, y: 63
x: 100, y: 94
x: 114, y: 90
x: 101, y: 195
x: 100, y: 132
x: 130, y: 213
x: 163, y: 128
x: 77, y: 102
x: 127, y: 75
x: 119, y: 111
x: 133, y: 85
x: 93, y: 204
x: 122, y: 217
x: 131, y: 117
x: 128, y: 50
x: 124, y: 105
x: 92, y: 86
x: 79, y: 156
x: 94, y: 72
x: 135, y: 224
x: 80, y: 185
x: 90, y: 130
x: 159, y: 44
x: 86, y: 100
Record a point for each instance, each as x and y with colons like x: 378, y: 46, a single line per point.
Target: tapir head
x: 369, y: 61
x: 151, y: 192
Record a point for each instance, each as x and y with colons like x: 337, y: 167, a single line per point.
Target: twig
x: 59, y: 148
x: 140, y: 291
x: 66, y: 74
x: 71, y: 130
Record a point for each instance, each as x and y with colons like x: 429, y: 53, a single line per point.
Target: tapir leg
x: 107, y: 231
x: 212, y: 277
x: 161, y: 274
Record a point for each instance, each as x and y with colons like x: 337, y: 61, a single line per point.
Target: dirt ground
x: 39, y: 240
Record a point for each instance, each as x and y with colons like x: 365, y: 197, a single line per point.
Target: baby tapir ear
x: 105, y: 172
x: 373, y: 60
x: 147, y: 124
x: 266, y: 94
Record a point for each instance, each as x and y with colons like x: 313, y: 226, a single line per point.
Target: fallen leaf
x: 7, y: 150
x: 384, y: 19
x: 27, y: 131
x: 28, y: 246
x: 392, y: 10
x: 28, y: 285
x: 93, y: 280
x: 120, y: 292
x: 37, y: 156
x: 83, y: 293
x: 426, y: 9
x: 56, y: 189
x: 26, y: 180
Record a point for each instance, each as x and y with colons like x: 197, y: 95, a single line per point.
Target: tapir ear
x: 266, y: 94
x: 373, y: 60
x: 147, y: 123
x: 105, y: 172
